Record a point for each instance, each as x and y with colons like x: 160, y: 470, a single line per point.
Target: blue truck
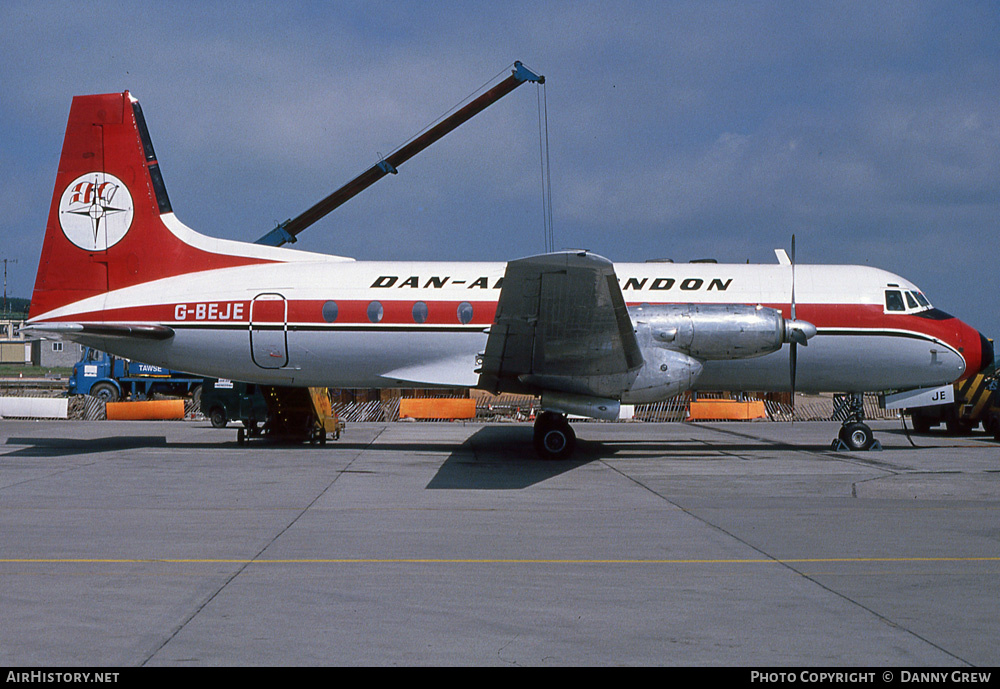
x: 113, y: 378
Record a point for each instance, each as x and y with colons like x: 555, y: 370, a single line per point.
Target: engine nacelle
x: 714, y: 331
x: 664, y: 373
x: 674, y: 340
x: 581, y: 405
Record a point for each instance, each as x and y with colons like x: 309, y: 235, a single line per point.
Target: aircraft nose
x: 986, y: 353
x: 978, y: 356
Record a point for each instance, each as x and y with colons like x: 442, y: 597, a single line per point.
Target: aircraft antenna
x: 6, y: 311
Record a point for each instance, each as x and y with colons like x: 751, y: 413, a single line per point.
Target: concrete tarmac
x: 722, y: 544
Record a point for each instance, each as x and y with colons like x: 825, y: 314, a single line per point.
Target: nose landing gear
x: 855, y: 434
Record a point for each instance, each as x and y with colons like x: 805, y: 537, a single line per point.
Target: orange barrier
x: 145, y: 411
x: 726, y: 410
x: 436, y: 408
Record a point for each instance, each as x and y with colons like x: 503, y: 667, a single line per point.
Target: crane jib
x: 288, y: 230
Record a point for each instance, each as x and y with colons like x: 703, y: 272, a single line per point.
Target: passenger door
x: 269, y: 331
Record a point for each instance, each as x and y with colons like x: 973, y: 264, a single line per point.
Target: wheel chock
x: 839, y: 445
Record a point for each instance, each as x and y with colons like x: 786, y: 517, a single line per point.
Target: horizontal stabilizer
x: 70, y: 331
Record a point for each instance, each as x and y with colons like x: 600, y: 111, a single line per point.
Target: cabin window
x: 375, y: 312
x: 330, y: 311
x: 420, y: 312
x: 922, y: 299
x: 465, y: 312
x: 894, y: 301
x: 911, y: 301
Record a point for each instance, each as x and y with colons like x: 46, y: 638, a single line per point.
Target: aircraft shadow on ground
x: 502, y: 458
x: 68, y: 447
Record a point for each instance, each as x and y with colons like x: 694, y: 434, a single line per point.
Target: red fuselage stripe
x: 445, y: 313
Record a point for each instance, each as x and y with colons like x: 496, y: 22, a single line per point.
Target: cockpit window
x: 905, y: 301
x: 894, y: 300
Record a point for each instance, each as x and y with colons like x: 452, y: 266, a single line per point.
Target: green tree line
x: 15, y: 308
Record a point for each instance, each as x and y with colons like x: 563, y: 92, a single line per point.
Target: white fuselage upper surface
x: 330, y: 322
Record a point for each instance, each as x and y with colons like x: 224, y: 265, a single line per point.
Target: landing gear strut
x: 554, y: 437
x: 855, y: 434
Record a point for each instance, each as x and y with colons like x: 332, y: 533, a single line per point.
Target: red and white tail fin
x: 110, y: 225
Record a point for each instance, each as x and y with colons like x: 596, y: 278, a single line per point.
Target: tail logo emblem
x: 95, y: 211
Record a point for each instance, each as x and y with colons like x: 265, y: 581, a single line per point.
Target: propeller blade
x: 793, y: 361
x: 792, y: 257
x: 795, y: 335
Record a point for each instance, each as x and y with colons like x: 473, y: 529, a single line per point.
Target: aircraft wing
x: 561, y: 324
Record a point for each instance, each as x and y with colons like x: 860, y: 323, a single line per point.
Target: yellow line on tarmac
x: 488, y: 561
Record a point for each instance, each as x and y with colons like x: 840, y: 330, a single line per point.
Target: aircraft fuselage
x: 341, y: 323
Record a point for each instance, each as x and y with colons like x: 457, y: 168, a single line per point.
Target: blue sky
x: 686, y: 130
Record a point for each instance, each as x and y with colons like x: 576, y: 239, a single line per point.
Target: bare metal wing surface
x: 561, y: 324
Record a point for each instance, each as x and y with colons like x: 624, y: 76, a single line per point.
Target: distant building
x: 16, y: 348
x: 56, y: 354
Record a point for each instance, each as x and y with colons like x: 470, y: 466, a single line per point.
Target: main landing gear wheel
x: 554, y: 437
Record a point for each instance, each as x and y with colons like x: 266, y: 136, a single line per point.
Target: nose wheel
x: 855, y: 434
x: 554, y: 437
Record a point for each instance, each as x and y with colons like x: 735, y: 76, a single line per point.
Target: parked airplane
x: 121, y: 273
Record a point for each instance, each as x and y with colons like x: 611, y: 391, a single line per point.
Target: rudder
x: 103, y: 189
